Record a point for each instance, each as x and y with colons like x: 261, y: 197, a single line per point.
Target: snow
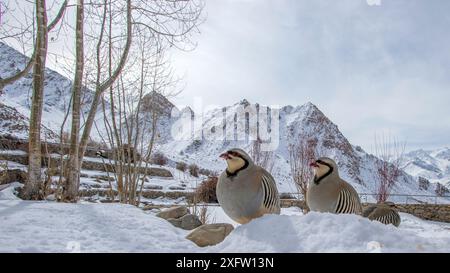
x: 56, y: 227
x: 30, y: 226
x: 7, y: 192
x: 217, y: 215
x: 324, y: 232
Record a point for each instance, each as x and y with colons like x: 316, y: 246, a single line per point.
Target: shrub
x: 207, y: 172
x: 193, y: 170
x: 181, y: 166
x: 206, y: 191
x: 159, y: 159
x: 424, y: 183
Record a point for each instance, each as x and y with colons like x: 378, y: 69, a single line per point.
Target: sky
x: 372, y: 66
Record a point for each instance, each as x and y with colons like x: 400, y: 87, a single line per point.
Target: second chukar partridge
x: 384, y: 213
x: 244, y: 190
x: 327, y: 192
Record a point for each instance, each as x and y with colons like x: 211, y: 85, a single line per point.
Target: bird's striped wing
x: 271, y: 200
x: 392, y: 217
x: 347, y: 202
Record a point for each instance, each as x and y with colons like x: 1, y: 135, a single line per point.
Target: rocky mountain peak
x: 158, y: 102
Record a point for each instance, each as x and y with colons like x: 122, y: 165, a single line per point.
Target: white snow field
x: 27, y: 226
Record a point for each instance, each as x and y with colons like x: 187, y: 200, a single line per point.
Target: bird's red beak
x: 314, y: 165
x: 225, y: 156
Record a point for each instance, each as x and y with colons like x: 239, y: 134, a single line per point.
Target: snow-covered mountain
x: 433, y: 165
x: 355, y: 165
x: 202, y: 140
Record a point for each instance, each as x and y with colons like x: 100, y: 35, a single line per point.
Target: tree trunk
x: 72, y: 182
x: 31, y: 190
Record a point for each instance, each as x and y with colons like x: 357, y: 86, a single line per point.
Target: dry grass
x: 194, y: 170
x: 206, y: 191
x: 159, y: 159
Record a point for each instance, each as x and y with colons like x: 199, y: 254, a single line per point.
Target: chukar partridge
x: 384, y: 213
x: 327, y: 192
x: 246, y: 191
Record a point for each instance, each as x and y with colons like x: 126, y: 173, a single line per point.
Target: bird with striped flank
x: 385, y: 213
x: 327, y: 192
x: 244, y: 190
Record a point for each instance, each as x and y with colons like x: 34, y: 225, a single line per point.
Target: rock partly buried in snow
x: 173, y: 213
x: 188, y: 222
x: 210, y: 234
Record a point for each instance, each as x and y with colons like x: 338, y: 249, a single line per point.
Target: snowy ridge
x: 355, y: 165
x: 432, y: 165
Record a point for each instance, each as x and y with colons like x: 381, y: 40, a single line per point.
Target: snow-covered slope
x: 305, y: 121
x: 56, y: 91
x: 15, y: 124
x: 433, y: 165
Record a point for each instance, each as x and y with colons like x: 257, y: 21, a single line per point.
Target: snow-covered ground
x: 27, y: 226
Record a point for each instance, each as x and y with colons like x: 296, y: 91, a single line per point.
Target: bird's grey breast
x: 239, y: 195
x: 322, y: 197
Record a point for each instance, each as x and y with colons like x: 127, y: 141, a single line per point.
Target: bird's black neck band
x: 232, y: 174
x: 317, y: 180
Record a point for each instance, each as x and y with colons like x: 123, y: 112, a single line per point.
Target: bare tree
x: 388, y: 166
x: 102, y: 85
x: 31, y: 190
x: 38, y: 30
x: 261, y: 158
x: 170, y: 21
x: 133, y: 118
x: 173, y: 21
x: 72, y: 181
x: 301, y: 153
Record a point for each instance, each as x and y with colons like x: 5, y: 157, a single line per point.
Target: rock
x: 188, y: 222
x: 100, y: 178
x: 50, y: 197
x: 175, y: 213
x: 150, y: 207
x: 210, y: 234
x: 12, y: 175
x: 153, y: 187
x: 176, y: 188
